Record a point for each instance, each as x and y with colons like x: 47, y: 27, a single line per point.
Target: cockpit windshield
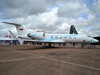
x: 89, y: 36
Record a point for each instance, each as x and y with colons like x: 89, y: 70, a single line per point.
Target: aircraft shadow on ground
x: 41, y: 48
x: 55, y: 47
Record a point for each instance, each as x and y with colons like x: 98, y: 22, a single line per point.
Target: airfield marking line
x: 7, y: 52
x: 56, y: 60
x: 18, y: 59
x: 3, y: 52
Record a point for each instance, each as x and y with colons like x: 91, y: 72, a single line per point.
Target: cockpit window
x: 89, y: 36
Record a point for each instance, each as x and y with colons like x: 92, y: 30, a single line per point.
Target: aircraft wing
x: 45, y: 41
x: 4, y: 38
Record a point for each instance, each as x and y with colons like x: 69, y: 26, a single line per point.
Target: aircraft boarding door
x: 43, y: 34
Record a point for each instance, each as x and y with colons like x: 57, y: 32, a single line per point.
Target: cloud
x: 45, y: 20
x: 21, y: 8
x: 4, y: 29
x: 95, y: 8
x: 50, y: 16
x: 72, y: 9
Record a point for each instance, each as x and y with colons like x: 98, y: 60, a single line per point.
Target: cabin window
x: 56, y: 37
x: 60, y: 37
x: 51, y: 36
x: 65, y: 37
x: 69, y: 37
x: 74, y: 37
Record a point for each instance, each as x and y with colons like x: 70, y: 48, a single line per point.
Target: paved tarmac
x: 58, y: 60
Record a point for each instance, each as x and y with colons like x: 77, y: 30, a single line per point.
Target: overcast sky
x: 51, y: 16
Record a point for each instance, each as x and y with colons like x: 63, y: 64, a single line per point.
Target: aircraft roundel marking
x: 83, y: 40
x: 21, y: 29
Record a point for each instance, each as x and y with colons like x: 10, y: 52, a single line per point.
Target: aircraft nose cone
x: 95, y: 40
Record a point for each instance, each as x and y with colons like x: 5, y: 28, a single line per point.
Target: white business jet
x: 51, y: 38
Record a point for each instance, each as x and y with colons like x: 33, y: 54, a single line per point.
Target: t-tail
x: 20, y: 28
x: 73, y: 30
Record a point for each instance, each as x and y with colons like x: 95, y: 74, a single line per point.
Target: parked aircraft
x: 7, y: 38
x: 51, y: 38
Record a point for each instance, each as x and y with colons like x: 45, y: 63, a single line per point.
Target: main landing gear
x: 44, y: 45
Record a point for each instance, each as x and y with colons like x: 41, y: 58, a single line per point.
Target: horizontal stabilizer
x: 12, y: 23
x: 20, y: 28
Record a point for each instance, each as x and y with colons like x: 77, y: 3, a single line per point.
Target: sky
x: 51, y: 16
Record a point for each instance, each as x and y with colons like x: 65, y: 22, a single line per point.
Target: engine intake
x: 28, y: 34
x: 38, y: 35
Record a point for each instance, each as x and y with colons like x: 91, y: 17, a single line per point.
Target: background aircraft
x: 51, y: 38
x: 8, y: 40
x: 73, y: 30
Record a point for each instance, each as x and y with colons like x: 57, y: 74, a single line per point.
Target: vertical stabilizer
x: 20, y: 28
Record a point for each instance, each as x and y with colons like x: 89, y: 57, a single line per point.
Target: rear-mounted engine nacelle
x: 38, y: 35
